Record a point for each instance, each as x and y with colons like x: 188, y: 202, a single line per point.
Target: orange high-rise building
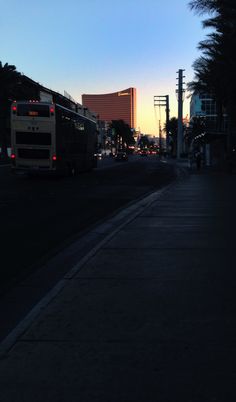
x: 114, y: 106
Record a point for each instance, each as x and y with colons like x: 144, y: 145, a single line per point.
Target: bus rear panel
x: 47, y: 137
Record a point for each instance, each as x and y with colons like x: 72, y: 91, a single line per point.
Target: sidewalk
x: 150, y: 317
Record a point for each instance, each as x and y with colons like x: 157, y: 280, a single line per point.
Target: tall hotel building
x: 115, y: 106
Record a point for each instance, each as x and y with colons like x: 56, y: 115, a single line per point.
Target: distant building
x: 114, y: 106
x: 213, y: 139
x: 203, y: 105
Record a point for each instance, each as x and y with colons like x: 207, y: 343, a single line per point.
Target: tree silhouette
x: 13, y: 86
x: 172, y: 129
x: 9, y: 79
x: 215, y: 70
x: 123, y: 134
x: 144, y: 141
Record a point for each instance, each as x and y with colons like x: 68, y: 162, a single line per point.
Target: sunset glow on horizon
x: 96, y: 47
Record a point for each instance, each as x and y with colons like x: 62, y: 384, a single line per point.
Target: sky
x: 104, y: 46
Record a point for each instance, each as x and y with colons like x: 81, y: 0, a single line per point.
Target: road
x: 41, y: 216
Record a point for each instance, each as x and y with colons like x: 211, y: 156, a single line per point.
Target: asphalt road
x: 41, y: 216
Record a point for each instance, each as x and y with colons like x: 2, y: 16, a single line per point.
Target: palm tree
x: 172, y: 129
x: 215, y: 70
x: 123, y: 133
x: 144, y: 141
x: 9, y: 79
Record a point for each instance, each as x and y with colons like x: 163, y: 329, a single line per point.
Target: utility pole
x: 163, y: 100
x: 167, y: 123
x: 160, y: 139
x: 180, y: 92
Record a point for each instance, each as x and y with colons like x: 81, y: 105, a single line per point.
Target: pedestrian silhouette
x: 198, y: 158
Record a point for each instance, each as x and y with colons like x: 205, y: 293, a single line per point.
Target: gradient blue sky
x: 103, y: 46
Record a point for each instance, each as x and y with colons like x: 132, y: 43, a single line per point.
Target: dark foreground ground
x: 41, y: 217
x: 149, y: 316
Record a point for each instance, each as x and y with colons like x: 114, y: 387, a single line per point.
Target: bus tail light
x: 52, y: 111
x: 14, y: 109
x: 56, y: 157
x: 13, y: 159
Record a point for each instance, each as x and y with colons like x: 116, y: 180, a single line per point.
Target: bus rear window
x: 33, y: 110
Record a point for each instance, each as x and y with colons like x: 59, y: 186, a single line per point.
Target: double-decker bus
x: 47, y: 137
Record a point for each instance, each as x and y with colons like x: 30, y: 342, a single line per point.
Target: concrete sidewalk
x: 149, y: 317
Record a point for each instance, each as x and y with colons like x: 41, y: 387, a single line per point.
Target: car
x: 121, y: 156
x: 144, y: 152
x: 98, y: 155
x: 152, y: 152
